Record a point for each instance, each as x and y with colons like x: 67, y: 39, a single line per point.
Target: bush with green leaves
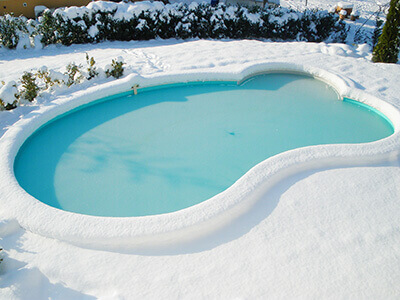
x: 30, y: 88
x: 193, y: 21
x: 31, y: 83
x: 179, y: 21
x: 91, y: 68
x: 8, y: 95
x: 8, y: 106
x: 44, y: 75
x: 73, y: 74
x: 387, y: 48
x: 11, y: 30
x: 116, y: 69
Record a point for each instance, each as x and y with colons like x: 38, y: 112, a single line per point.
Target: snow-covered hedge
x: 100, y: 21
x: 16, y: 31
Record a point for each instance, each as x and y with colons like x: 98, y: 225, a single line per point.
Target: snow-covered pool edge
x: 198, y: 220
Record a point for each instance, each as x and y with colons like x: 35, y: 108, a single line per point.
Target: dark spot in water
x: 231, y: 133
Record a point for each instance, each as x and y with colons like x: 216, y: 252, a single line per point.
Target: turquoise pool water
x: 170, y: 148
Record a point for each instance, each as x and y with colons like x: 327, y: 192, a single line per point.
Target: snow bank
x: 8, y: 92
x: 345, y: 5
x: 8, y: 227
x: 198, y: 220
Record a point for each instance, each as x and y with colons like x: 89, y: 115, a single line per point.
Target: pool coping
x: 198, y: 220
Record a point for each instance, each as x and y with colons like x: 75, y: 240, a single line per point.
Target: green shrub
x: 176, y: 21
x: 48, y: 28
x: 8, y: 95
x: 8, y: 106
x: 30, y: 88
x: 387, y: 48
x: 11, y: 28
x: 44, y: 75
x: 194, y: 21
x: 377, y: 31
x: 74, y: 74
x: 116, y: 69
x: 91, y: 69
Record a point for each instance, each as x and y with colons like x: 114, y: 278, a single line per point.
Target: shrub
x: 48, y: 28
x: 377, y: 31
x: 11, y: 30
x: 44, y: 75
x: 8, y: 106
x: 73, y: 74
x: 387, y: 48
x: 193, y: 21
x: 30, y: 88
x: 91, y: 69
x: 173, y: 21
x: 116, y: 69
x: 8, y: 95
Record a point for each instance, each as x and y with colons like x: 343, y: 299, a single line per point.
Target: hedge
x: 175, y: 21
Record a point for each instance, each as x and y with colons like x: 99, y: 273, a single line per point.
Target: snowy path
x: 320, y: 234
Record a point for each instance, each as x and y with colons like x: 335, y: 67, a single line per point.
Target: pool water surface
x: 173, y: 147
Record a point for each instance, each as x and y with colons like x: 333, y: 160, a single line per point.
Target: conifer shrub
x: 387, y: 48
x: 377, y: 31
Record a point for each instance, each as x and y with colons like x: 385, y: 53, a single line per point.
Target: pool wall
x: 199, y: 220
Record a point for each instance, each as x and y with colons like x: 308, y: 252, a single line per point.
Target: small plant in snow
x: 8, y: 95
x: 44, y: 75
x: 30, y: 88
x: 91, y: 69
x: 74, y: 74
x: 116, y: 69
x: 1, y: 249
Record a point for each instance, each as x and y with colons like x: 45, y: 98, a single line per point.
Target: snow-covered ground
x: 322, y: 233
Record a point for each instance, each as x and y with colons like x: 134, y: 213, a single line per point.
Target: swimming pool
x: 173, y: 147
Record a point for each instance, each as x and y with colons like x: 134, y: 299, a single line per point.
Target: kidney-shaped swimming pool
x: 172, y: 147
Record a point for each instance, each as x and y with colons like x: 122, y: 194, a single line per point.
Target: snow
x: 94, y: 30
x: 7, y: 92
x: 360, y: 30
x: 345, y: 5
x: 39, y: 9
x: 71, y: 12
x: 326, y: 224
x: 24, y: 42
